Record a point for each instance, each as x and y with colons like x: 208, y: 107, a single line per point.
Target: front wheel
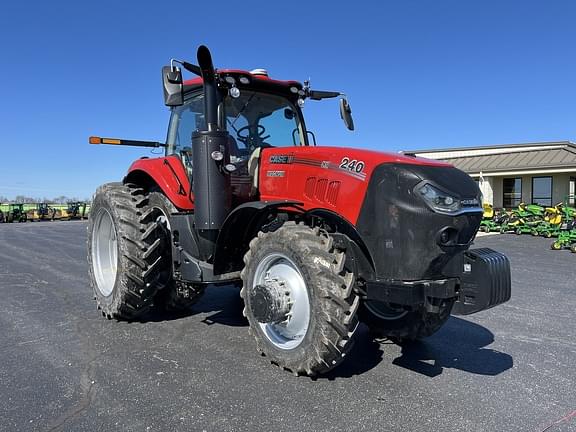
x: 386, y: 320
x: 299, y: 299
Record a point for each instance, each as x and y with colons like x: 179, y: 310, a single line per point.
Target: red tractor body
x: 318, y: 237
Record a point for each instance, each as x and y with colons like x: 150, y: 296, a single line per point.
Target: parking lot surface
x: 63, y: 367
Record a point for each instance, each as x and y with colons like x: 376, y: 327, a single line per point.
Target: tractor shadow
x: 365, y: 355
x: 460, y: 344
x: 221, y: 305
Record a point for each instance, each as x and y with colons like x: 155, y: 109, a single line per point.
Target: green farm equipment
x: 524, y: 219
x: 492, y: 220
x: 42, y: 212
x: 566, y: 239
x: 552, y: 223
x: 76, y: 210
x: 16, y: 213
x: 45, y: 212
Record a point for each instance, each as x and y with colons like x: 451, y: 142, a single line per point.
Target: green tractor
x: 16, y: 213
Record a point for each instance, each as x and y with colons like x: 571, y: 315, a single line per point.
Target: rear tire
x: 402, y: 325
x: 127, y: 246
x: 303, y: 262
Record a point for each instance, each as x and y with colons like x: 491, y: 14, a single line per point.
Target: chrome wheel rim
x: 279, y: 269
x: 104, y: 253
x: 384, y: 310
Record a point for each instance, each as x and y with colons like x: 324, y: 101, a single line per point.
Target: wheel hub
x: 279, y: 301
x: 271, y: 301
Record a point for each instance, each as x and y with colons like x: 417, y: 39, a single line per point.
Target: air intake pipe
x: 211, y: 183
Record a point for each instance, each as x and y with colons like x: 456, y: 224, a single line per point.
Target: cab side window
x: 185, y: 119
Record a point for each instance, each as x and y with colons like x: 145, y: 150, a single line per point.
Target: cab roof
x: 254, y: 82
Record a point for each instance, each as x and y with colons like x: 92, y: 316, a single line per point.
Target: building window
x: 572, y: 192
x: 542, y: 191
x: 512, y: 192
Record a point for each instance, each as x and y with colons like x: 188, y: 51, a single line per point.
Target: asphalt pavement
x: 63, y: 367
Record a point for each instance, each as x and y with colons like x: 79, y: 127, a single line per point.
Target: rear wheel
x: 127, y: 246
x: 396, y: 323
x: 556, y: 245
x: 299, y: 299
x: 573, y: 248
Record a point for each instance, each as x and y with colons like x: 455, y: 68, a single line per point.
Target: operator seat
x: 253, y: 168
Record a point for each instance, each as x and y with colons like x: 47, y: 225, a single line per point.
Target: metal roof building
x: 542, y: 173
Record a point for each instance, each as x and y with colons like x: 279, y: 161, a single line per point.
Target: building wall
x: 560, y: 188
x: 498, y: 192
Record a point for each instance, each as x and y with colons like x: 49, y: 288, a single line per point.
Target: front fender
x: 241, y: 225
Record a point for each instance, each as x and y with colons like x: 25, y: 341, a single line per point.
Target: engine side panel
x: 333, y: 178
x: 170, y: 175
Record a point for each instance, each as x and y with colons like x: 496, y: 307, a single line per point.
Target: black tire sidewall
x: 297, y: 355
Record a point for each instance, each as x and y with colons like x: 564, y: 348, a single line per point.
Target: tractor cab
x: 257, y: 113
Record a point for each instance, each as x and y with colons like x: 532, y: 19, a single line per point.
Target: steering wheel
x: 248, y: 139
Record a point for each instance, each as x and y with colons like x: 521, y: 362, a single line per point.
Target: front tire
x: 316, y: 320
x: 126, y: 251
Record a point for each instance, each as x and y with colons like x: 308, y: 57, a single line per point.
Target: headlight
x: 440, y: 201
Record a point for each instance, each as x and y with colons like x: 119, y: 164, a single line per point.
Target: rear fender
x: 169, y: 174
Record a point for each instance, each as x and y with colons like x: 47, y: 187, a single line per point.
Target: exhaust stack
x: 211, y: 183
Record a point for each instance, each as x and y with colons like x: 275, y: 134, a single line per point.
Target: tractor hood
x: 335, y: 178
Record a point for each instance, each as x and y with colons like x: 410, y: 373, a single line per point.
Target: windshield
x: 253, y: 120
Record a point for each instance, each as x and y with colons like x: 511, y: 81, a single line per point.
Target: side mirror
x: 346, y: 114
x: 173, y: 86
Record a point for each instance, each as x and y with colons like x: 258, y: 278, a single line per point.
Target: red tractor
x: 317, y: 237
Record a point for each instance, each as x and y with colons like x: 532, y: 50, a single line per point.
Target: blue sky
x: 419, y: 74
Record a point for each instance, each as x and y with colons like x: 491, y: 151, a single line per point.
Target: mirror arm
x: 188, y: 66
x: 319, y: 95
